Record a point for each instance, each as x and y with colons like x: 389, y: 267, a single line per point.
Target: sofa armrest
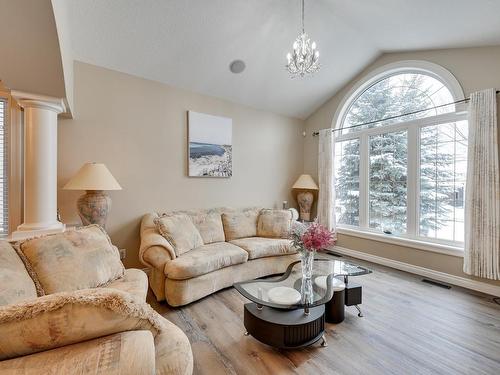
x: 173, y: 351
x: 155, y: 250
x: 124, y: 353
x: 66, y: 318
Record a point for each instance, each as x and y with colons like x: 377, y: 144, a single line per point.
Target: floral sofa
x: 68, y: 306
x: 195, y: 253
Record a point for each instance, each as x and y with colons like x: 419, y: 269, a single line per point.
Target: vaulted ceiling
x: 190, y: 43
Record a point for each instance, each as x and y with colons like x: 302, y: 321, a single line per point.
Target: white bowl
x: 283, y: 295
x: 337, y: 285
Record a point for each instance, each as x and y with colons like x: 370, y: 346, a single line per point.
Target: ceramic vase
x: 93, y: 207
x: 305, y: 200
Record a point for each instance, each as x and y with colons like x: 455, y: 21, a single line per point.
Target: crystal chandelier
x: 305, y: 56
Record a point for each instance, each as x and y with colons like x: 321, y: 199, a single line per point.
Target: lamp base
x: 93, y: 207
x: 305, y: 200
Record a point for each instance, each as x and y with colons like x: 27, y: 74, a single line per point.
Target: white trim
x: 412, y: 174
x: 419, y: 123
x: 26, y: 99
x: 401, y: 241
x: 434, y: 70
x: 16, y: 184
x: 422, y: 271
x: 364, y: 175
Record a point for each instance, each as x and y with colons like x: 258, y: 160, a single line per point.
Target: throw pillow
x: 210, y: 226
x: 240, y: 224
x: 180, y: 232
x: 274, y: 223
x: 15, y: 283
x: 76, y: 259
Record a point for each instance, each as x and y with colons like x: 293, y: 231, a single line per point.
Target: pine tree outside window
x: 404, y: 177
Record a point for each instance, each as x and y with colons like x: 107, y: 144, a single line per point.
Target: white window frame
x: 14, y: 129
x: 413, y: 128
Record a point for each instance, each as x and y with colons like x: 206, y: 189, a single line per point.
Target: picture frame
x: 210, y: 149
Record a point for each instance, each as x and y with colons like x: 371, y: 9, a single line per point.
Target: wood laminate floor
x: 409, y: 327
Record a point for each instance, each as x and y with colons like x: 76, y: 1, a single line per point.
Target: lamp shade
x: 93, y: 176
x: 305, y: 182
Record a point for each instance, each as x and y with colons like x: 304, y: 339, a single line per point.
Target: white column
x: 40, y: 168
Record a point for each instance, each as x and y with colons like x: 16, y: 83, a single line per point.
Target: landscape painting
x: 210, y: 145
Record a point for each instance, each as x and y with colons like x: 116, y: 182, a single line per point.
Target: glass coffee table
x: 289, y: 312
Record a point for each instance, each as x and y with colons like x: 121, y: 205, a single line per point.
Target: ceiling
x: 190, y: 43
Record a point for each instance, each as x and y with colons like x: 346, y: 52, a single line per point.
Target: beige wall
x: 475, y: 69
x: 138, y: 129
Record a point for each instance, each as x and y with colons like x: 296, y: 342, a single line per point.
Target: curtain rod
x: 316, y: 133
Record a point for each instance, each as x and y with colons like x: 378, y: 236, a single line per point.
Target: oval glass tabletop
x: 290, y: 292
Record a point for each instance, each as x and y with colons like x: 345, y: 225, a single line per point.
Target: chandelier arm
x: 303, y: 28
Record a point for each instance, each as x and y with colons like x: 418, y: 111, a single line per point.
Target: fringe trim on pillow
x: 160, y: 227
x: 114, y: 300
x: 31, y: 272
x: 21, y: 243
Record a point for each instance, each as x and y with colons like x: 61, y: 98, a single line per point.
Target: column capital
x: 28, y: 100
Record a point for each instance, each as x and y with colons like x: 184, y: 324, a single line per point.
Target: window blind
x: 4, y: 202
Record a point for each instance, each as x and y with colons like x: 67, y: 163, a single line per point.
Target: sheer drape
x: 326, y: 177
x: 482, y: 201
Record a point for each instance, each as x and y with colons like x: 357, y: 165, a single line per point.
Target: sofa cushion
x: 274, y: 223
x: 240, y: 223
x: 205, y: 259
x: 124, y: 353
x: 180, y: 232
x: 134, y: 281
x: 259, y: 247
x: 210, y: 226
x: 60, y: 319
x: 15, y: 283
x: 182, y: 292
x: 76, y: 259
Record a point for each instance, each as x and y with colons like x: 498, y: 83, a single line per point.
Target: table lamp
x: 306, y: 189
x: 94, y: 205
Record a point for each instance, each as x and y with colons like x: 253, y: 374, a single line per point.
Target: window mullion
x: 412, y: 183
x: 364, y: 181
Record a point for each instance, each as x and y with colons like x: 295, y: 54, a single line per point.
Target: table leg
x: 360, y: 314
x: 324, y: 344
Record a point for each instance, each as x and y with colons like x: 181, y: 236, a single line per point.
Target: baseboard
x: 422, y: 271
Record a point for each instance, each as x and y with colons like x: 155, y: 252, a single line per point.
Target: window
x: 403, y: 175
x: 4, y: 217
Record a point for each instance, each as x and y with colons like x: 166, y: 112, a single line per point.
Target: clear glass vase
x: 307, y: 260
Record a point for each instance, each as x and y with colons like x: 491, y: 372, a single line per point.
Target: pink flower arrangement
x: 313, y: 238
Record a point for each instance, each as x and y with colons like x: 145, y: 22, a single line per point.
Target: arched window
x: 403, y: 175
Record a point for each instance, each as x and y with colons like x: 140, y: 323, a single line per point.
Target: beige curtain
x: 482, y: 200
x: 326, y: 177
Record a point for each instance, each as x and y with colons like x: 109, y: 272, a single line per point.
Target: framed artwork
x: 210, y: 145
